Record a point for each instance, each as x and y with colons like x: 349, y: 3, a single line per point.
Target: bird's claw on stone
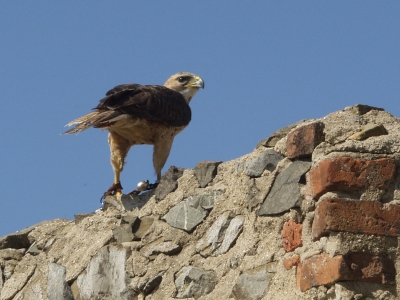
x: 113, y: 190
x: 149, y: 187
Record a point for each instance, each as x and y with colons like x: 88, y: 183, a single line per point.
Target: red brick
x: 302, y: 141
x: 322, y: 269
x: 291, y: 235
x: 288, y: 263
x: 355, y: 216
x: 350, y: 174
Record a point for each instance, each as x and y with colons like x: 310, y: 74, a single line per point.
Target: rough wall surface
x: 312, y: 213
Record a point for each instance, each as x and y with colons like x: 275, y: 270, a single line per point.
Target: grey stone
x: 125, y: 203
x: 268, y: 160
x: 141, y: 227
x: 221, y: 235
x: 232, y: 232
x: 239, y: 166
x: 205, y: 171
x: 255, y: 283
x: 184, y: 216
x: 128, y: 219
x: 258, y: 189
x: 204, y: 200
x: 148, y: 286
x: 194, y: 282
x: 168, y: 182
x: 215, y: 235
x: 33, y: 249
x: 105, y: 275
x: 57, y: 288
x: 190, y: 212
x: 123, y: 233
x: 159, y: 246
x: 285, y: 192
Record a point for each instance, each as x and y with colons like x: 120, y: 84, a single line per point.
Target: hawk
x: 137, y: 114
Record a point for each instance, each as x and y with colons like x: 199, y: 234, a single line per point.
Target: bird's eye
x: 181, y: 79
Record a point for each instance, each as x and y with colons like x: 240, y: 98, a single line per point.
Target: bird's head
x: 185, y: 83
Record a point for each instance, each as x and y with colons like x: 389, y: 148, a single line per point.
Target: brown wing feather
x: 151, y: 102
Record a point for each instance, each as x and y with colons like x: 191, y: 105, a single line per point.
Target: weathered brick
x: 302, y: 141
x: 322, y: 269
x: 288, y: 263
x: 371, y: 268
x: 291, y: 235
x: 355, y: 216
x: 350, y: 174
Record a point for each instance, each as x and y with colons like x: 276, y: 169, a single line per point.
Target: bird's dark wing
x: 151, y: 102
x: 122, y: 87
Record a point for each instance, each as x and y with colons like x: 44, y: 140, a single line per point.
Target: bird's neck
x: 188, y: 94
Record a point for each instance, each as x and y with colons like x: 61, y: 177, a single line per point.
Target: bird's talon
x: 114, y: 190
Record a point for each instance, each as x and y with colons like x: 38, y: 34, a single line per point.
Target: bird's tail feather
x: 96, y: 118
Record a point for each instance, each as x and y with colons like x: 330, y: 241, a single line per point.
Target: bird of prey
x: 137, y: 114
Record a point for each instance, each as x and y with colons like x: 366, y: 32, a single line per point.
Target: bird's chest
x: 144, y: 131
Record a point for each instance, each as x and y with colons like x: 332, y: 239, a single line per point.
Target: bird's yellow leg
x: 117, y: 181
x: 119, y: 148
x: 161, y: 151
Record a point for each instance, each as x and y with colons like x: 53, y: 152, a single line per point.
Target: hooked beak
x: 197, y: 82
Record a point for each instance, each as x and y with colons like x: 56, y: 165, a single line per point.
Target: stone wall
x: 312, y: 213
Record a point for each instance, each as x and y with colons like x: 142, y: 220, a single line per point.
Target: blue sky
x: 266, y: 65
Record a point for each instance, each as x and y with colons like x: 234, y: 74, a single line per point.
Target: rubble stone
x: 267, y: 160
x: 57, y: 288
x: 160, y: 246
x: 194, y: 282
x: 205, y: 171
x: 185, y: 216
x: 221, y: 235
x: 105, y: 275
x: 253, y: 284
x: 168, y: 182
x: 285, y: 193
x: 192, y: 211
x: 141, y: 227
